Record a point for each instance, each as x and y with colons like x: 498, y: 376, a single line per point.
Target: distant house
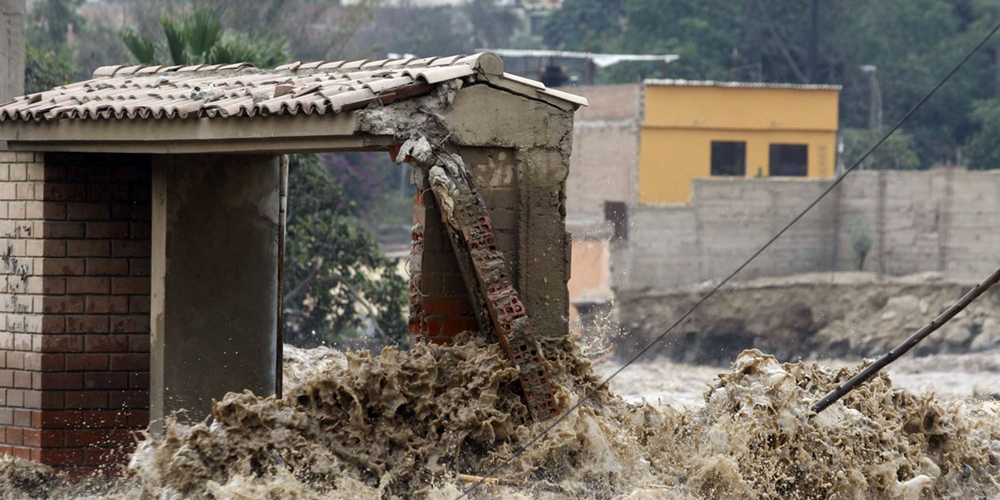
x: 701, y: 129
x: 600, y: 187
x: 645, y: 143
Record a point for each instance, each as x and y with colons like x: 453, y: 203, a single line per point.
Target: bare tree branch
x: 302, y: 287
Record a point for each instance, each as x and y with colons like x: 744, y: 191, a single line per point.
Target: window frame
x: 777, y: 164
x: 740, y: 151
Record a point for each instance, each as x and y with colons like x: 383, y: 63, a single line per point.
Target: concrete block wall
x: 728, y: 219
x: 942, y: 221
x: 440, y: 307
x: 74, y: 336
x: 605, y: 153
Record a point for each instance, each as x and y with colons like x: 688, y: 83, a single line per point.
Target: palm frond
x: 140, y: 46
x: 203, y: 30
x: 177, y: 37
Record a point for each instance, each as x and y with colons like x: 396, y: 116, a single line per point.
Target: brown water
x: 405, y: 424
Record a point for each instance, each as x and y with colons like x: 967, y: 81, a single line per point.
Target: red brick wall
x: 74, y: 333
x: 439, y: 303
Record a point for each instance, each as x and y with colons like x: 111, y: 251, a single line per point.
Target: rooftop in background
x: 740, y: 85
x: 555, y: 66
x: 523, y: 4
x: 600, y: 60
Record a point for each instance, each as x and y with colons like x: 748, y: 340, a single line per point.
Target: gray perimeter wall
x: 942, y: 221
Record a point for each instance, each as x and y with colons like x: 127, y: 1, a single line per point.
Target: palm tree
x: 198, y: 38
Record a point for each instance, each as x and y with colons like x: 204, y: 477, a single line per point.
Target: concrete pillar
x: 214, y: 294
x: 12, y: 17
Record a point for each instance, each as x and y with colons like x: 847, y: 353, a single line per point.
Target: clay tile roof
x: 220, y: 91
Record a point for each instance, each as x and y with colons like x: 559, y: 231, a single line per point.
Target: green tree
x: 47, y: 68
x: 912, y: 43
x: 584, y: 24
x: 54, y: 18
x: 336, y: 278
x: 982, y: 152
x: 896, y: 153
x: 198, y: 38
x: 492, y: 25
x: 48, y: 60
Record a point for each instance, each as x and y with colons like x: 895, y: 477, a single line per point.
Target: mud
x: 813, y: 316
x: 950, y: 377
x: 406, y: 424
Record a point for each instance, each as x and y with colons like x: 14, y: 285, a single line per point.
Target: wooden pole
x: 870, y: 370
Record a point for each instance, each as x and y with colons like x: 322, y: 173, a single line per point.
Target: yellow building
x: 696, y: 129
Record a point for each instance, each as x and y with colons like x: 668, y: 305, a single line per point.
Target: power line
x: 722, y: 283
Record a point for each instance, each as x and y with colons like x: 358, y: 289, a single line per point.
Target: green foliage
x: 861, y: 237
x: 198, y: 38
x: 982, y: 151
x: 913, y: 44
x: 201, y: 31
x: 896, y: 153
x: 47, y: 68
x: 140, y: 46
x: 584, y: 24
x: 492, y: 25
x: 400, y: 28
x: 53, y: 19
x: 264, y: 51
x: 175, y: 36
x: 336, y: 279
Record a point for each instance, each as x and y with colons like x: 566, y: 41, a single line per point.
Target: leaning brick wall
x: 439, y: 303
x: 74, y: 334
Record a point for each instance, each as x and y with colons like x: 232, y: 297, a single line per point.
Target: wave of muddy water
x: 404, y: 424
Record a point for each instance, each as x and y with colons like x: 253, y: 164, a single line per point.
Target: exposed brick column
x: 439, y: 302
x: 74, y: 341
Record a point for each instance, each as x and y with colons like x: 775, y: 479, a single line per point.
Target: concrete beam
x: 12, y: 19
x: 271, y: 134
x: 214, y: 297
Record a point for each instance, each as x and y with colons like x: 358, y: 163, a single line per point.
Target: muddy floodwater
x: 418, y: 423
x: 950, y: 377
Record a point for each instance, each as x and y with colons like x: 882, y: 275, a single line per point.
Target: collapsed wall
x: 519, y: 165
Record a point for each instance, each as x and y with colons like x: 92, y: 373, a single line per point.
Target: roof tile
x: 311, y: 65
x: 106, y: 70
x: 190, y: 68
x: 220, y: 91
x: 445, y: 61
x: 127, y: 70
x: 354, y: 64
x: 331, y: 65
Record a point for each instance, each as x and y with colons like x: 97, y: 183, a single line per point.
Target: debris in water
x: 407, y: 423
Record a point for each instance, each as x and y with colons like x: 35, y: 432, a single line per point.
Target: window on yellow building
x: 729, y: 158
x: 789, y: 159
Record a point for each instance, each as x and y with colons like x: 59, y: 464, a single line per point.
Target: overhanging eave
x: 284, y: 133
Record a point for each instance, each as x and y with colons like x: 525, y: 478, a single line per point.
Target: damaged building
x: 143, y: 225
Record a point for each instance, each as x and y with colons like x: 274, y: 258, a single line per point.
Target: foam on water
x: 406, y: 423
